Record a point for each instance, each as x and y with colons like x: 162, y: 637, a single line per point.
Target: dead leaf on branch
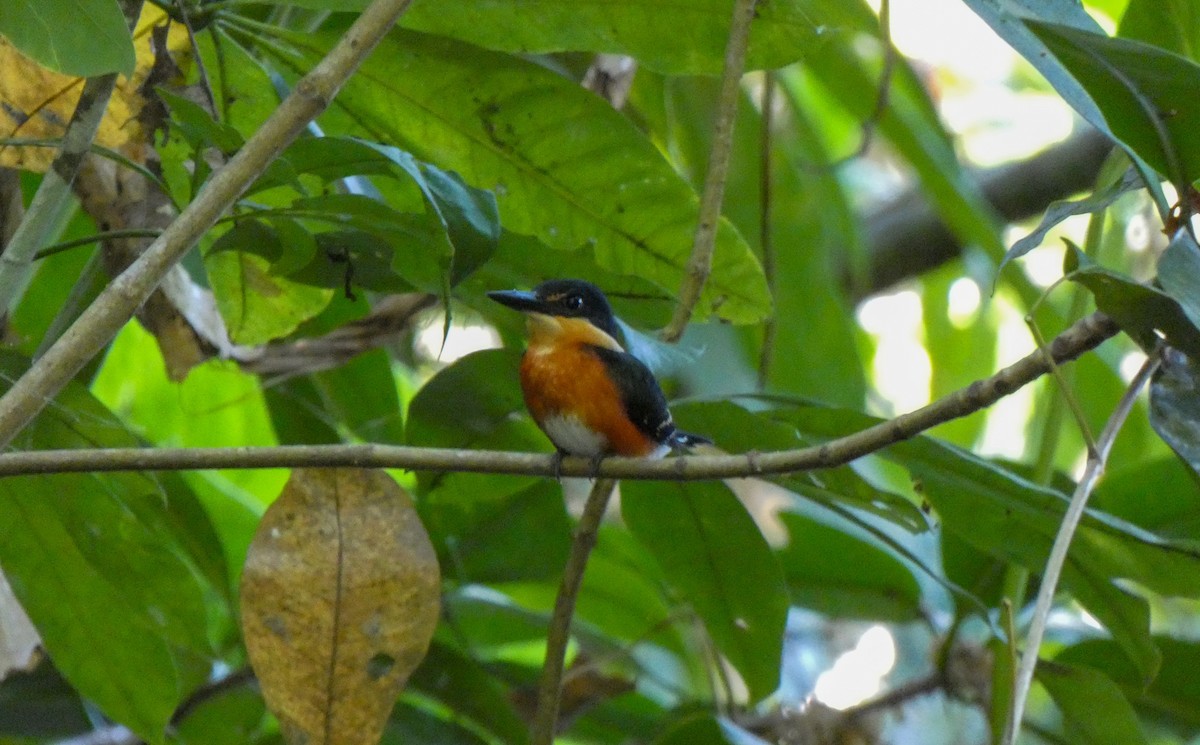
x: 340, y: 598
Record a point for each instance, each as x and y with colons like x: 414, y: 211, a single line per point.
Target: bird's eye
x: 573, y: 302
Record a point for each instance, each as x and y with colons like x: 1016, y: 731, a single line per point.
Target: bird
x: 588, y: 395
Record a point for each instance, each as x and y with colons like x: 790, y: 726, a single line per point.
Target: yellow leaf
x: 340, y: 597
x: 37, y: 103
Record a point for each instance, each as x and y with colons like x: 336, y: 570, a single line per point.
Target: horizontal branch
x: 1081, y: 337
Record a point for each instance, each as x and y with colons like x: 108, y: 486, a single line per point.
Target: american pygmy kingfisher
x: 590, y: 396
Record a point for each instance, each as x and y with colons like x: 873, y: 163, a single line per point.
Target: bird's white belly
x: 569, y: 434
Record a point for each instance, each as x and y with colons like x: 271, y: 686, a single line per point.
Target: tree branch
x: 700, y: 263
x: 545, y: 719
x: 1097, y: 457
x: 907, y: 236
x: 117, y: 303
x: 1085, y: 335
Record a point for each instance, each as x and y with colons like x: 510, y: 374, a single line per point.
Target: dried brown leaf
x: 340, y: 597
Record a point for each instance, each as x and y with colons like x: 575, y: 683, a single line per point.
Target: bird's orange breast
x: 562, y: 377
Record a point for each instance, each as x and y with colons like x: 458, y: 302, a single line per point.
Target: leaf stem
x: 545, y: 719
x: 699, y: 264
x: 54, y: 192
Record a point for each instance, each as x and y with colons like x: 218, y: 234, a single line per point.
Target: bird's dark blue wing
x: 643, y: 398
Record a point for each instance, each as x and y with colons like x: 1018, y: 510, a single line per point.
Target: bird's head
x: 556, y: 301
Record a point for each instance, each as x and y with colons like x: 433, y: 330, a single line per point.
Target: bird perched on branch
x: 590, y: 396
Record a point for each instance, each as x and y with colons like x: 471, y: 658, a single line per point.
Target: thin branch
x: 700, y: 263
x: 1062, y: 542
x: 54, y: 192
x: 1085, y: 335
x: 765, y: 236
x: 545, y: 719
x: 117, y: 303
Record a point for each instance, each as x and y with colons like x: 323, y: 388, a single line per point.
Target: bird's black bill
x: 524, y: 301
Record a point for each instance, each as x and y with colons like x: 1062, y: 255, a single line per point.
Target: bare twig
x: 766, y: 187
x: 101, y: 321
x: 1081, y: 337
x: 1062, y: 542
x: 16, y: 263
x: 545, y: 720
x: 700, y: 263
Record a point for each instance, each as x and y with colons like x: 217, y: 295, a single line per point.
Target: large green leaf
x: 737, y: 430
x: 462, y: 685
x: 134, y: 556
x: 1094, y: 709
x: 563, y: 164
x: 1140, y: 310
x: 1173, y: 696
x: 485, y: 537
x: 1002, y: 514
x: 1007, y: 18
x: 782, y: 30
x: 258, y: 306
x: 1144, y: 93
x: 837, y: 574
x: 714, y: 555
x: 1173, y: 25
x: 75, y: 37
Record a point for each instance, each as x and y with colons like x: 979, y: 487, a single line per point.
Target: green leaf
x: 198, y: 126
x: 564, y: 165
x: 135, y: 556
x: 1094, y: 710
x: 1173, y: 25
x: 736, y: 430
x: 1179, y: 274
x: 40, y: 703
x: 1006, y: 17
x: 1175, y: 407
x: 1011, y: 518
x: 838, y: 575
x: 1174, y: 694
x: 780, y: 33
x: 258, y: 306
x: 485, y: 538
x: 74, y: 37
x: 714, y: 555
x: 705, y: 729
x: 465, y: 688
x: 1059, y: 211
x: 1160, y: 495
x: 1141, y: 311
x: 1144, y: 93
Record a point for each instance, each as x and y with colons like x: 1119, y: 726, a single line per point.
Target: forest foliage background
x: 865, y: 263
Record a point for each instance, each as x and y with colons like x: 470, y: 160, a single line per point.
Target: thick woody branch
x: 1081, y: 337
x: 117, y: 303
